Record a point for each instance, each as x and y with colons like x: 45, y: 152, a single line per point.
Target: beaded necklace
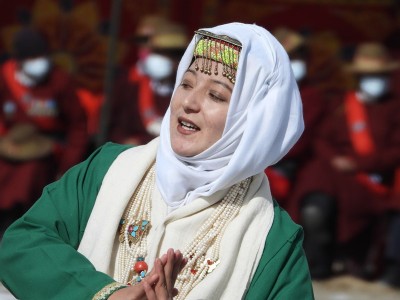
x: 202, y: 252
x: 131, y: 267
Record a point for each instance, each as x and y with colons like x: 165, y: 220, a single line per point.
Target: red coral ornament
x: 140, y: 266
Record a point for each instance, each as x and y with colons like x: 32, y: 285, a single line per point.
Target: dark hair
x: 28, y: 43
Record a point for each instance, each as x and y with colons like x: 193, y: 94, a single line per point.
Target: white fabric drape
x: 263, y: 122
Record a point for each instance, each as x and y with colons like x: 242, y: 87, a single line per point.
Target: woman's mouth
x: 188, y: 126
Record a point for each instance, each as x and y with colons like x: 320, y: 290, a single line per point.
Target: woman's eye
x: 216, y: 97
x: 185, y: 85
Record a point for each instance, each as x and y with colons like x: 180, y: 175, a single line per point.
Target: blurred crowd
x: 341, y: 181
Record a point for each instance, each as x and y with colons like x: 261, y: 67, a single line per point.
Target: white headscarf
x: 264, y: 121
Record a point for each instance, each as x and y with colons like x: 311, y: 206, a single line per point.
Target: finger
x: 178, y: 256
x: 152, y: 279
x: 177, y: 265
x: 148, y: 289
x: 182, y: 264
x: 161, y: 286
x: 169, y: 270
x: 159, y: 270
x: 149, y: 280
x: 136, y: 291
x: 164, y: 259
x: 175, y: 292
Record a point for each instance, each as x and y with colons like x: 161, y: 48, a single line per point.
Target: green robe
x: 38, y: 257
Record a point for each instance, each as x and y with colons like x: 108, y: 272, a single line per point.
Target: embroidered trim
x: 221, y: 49
x: 224, y: 38
x: 108, y: 290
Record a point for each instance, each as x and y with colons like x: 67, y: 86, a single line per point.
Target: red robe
x: 358, y: 204
x: 134, y: 105
x: 53, y: 107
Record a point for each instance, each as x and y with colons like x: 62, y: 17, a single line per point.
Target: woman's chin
x: 185, y: 148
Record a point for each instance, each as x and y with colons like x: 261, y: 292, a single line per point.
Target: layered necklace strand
x: 135, y: 224
x: 202, y: 252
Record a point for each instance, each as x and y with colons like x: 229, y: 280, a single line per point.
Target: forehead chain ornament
x: 212, y: 48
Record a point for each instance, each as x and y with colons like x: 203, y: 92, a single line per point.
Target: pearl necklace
x: 133, y: 233
x: 202, y: 252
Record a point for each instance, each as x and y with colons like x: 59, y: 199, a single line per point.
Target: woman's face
x: 198, y: 110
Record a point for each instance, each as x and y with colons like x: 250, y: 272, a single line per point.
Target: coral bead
x: 140, y: 266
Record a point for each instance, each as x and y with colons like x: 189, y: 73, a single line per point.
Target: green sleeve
x: 283, y: 271
x: 38, y: 254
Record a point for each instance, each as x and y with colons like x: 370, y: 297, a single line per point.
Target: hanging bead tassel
x: 140, y: 268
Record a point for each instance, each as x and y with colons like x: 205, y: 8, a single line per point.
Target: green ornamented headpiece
x: 217, y: 48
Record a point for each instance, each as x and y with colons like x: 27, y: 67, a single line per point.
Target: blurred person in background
x: 391, y: 241
x: 342, y: 193
x: 42, y: 125
x: 283, y: 174
x: 140, y: 103
x: 392, y: 251
x: 146, y: 28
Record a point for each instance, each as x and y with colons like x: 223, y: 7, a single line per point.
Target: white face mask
x: 36, y: 68
x: 157, y: 66
x: 374, y: 86
x: 299, y: 69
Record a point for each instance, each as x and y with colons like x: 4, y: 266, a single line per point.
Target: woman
x: 199, y: 188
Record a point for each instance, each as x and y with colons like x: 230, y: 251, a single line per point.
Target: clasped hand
x: 160, y: 281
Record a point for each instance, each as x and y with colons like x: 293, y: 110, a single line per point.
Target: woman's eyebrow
x: 191, y: 71
x: 223, y: 84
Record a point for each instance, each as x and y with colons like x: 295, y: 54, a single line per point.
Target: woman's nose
x: 191, y: 102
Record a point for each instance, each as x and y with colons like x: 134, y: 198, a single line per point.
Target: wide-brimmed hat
x: 289, y: 39
x: 148, y: 26
x: 372, y: 58
x: 24, y: 142
x: 171, y: 37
